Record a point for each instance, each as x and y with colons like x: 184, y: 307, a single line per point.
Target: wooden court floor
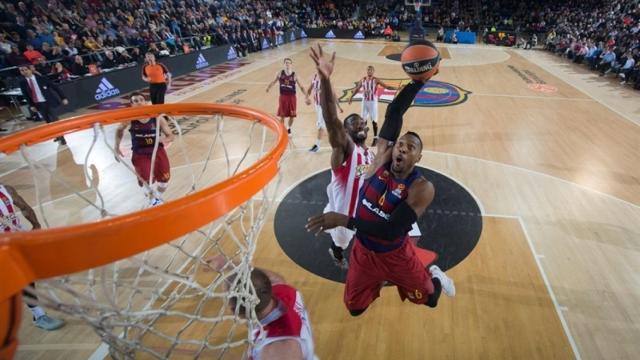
x: 555, y: 169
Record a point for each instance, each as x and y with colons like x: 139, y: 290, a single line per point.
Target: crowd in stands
x: 67, y: 38
x: 603, y: 36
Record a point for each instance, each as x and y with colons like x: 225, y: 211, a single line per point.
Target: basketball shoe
x: 448, y: 286
x: 338, y: 259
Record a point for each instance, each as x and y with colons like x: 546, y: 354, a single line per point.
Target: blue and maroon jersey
x: 287, y: 83
x: 143, y: 136
x: 379, y: 196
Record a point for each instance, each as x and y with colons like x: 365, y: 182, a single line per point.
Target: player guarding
x: 147, y: 152
x: 394, y: 196
x: 287, y: 102
x: 369, y: 109
x: 314, y: 89
x: 350, y: 159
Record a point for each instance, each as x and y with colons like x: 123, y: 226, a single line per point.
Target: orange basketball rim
x: 40, y: 254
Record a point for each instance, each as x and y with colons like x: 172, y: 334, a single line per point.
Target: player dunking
x: 143, y: 145
x: 350, y: 159
x: 9, y: 222
x: 287, y: 102
x: 314, y: 89
x: 369, y: 85
x: 393, y: 196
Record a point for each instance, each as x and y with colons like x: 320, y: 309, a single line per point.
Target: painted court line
x: 557, y: 306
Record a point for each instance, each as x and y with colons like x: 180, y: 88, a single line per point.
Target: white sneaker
x: 448, y: 286
x: 156, y: 202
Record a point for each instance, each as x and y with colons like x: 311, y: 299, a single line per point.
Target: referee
x: 158, y: 77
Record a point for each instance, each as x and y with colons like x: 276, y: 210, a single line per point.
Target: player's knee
x: 357, y: 312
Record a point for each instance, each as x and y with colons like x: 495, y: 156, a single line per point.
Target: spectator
x: 32, y: 55
x: 59, y: 72
x: 388, y: 32
x: 440, y: 36
x: 607, y: 60
x: 16, y: 58
x: 109, y: 61
x: 78, y: 68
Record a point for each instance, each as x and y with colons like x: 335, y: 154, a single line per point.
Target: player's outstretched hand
x: 323, y: 64
x: 326, y: 221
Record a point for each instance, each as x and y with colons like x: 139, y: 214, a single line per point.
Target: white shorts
x: 370, y: 109
x: 319, y: 118
x: 341, y: 236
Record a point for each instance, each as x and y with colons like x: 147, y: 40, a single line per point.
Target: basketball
x: 420, y: 60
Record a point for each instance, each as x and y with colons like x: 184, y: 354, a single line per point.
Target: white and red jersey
x: 315, y: 89
x: 369, y: 88
x: 347, y: 180
x: 10, y: 221
x: 289, y: 320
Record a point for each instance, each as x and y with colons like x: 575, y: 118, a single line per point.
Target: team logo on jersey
x: 398, y: 191
x: 361, y: 169
x: 433, y: 93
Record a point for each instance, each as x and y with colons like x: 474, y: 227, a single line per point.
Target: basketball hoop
x: 418, y: 4
x: 140, y: 278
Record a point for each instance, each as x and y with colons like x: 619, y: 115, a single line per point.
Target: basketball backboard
x: 417, y: 4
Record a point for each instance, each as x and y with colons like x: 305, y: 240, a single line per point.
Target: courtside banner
x: 109, y: 84
x: 329, y: 33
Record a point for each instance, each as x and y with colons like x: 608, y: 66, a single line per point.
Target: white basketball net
x: 168, y: 302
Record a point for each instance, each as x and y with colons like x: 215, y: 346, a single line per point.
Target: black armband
x: 399, y: 223
x: 393, y: 116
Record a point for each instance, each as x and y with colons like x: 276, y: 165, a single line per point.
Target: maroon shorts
x: 142, y: 163
x: 368, y: 269
x: 287, y: 105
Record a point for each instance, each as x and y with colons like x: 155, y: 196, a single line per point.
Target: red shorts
x: 368, y: 269
x: 287, y: 105
x: 142, y: 163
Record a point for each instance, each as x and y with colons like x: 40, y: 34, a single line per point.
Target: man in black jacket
x: 43, y: 96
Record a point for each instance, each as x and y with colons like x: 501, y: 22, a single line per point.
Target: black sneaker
x: 314, y: 148
x: 375, y: 141
x: 289, y: 131
x: 339, y: 260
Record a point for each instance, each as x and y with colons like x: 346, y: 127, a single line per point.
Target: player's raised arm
x: 337, y: 135
x: 393, y: 117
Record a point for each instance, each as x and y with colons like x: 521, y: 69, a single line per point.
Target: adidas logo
x: 201, y: 62
x: 231, y: 54
x: 106, y: 90
x: 280, y: 40
x: 330, y: 35
x: 265, y: 44
x: 292, y: 37
x: 359, y: 35
x: 303, y: 34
